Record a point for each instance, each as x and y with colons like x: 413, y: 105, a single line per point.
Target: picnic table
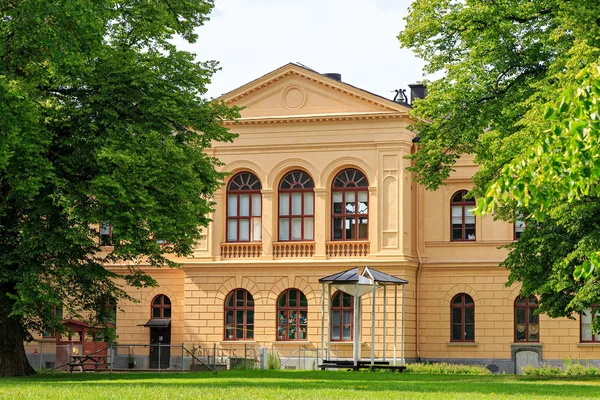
x: 88, y: 362
x: 348, y: 364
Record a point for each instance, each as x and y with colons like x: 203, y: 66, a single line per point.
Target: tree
x: 102, y: 121
x: 506, y: 66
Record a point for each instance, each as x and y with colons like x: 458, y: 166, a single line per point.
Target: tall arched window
x: 463, y: 318
x: 161, y: 307
x: 239, y: 315
x: 350, y: 206
x: 463, y: 221
x: 342, y: 316
x: 296, y: 207
x: 527, y: 324
x: 244, y: 205
x: 292, y: 315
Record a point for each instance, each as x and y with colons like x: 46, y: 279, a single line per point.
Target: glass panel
x: 457, y: 234
x: 281, y: 333
x: 470, y: 232
x: 520, y: 331
x: 229, y: 317
x: 244, y: 205
x: 229, y: 301
x: 457, y: 300
x: 250, y: 317
x: 297, y: 229
x: 232, y: 205
x: 457, y: 215
x: 457, y: 198
x: 282, y: 299
x: 156, y: 301
x: 105, y: 230
x: 257, y: 229
x: 456, y: 315
x: 292, y: 333
x: 309, y: 207
x: 284, y: 229
x: 239, y: 317
x: 470, y: 332
x: 346, y: 332
x: 308, y: 229
x: 586, y: 316
x: 347, y: 300
x: 303, y: 318
x: 256, y: 205
x: 456, y: 332
x: 296, y: 203
x: 469, y: 217
x: 250, y: 332
x: 229, y: 332
x: 533, y: 318
x: 586, y: 332
x: 468, y: 299
x: 347, y: 318
x: 302, y: 333
x: 363, y: 202
x: 166, y: 312
x: 292, y: 316
x: 166, y: 300
x: 293, y: 293
x: 239, y: 331
x: 239, y: 296
x: 335, y: 317
x: 337, y: 202
x: 281, y: 318
x: 284, y: 204
x: 350, y: 203
x: 335, y: 300
x: 156, y: 313
x: 534, y: 332
x: 469, y: 315
x: 363, y: 228
x: 335, y: 332
x: 337, y: 228
x: 520, y: 315
x: 350, y: 228
x: 232, y: 230
x: 303, y: 301
x: 249, y: 300
x: 521, y: 301
x: 244, y: 230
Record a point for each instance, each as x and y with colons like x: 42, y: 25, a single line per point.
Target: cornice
x: 465, y: 266
x: 289, y: 119
x: 308, y: 78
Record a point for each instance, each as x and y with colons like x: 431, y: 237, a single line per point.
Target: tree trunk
x: 13, y: 360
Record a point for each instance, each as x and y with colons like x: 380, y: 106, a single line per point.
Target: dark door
x: 162, y: 336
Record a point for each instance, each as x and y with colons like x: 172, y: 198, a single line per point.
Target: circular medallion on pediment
x: 293, y: 96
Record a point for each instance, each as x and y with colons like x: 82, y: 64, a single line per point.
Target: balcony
x: 241, y: 250
x: 347, y: 249
x: 293, y: 249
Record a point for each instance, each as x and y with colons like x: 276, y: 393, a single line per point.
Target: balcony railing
x: 293, y: 249
x: 241, y: 250
x: 347, y: 249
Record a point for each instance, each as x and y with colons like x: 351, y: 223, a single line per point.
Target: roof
x: 368, y: 274
x: 157, y: 323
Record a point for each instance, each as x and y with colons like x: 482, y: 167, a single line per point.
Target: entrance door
x: 524, y: 358
x: 162, y: 336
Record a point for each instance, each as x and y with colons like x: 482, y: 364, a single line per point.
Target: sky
x: 356, y: 38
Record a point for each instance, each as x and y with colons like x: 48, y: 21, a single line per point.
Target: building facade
x: 318, y: 184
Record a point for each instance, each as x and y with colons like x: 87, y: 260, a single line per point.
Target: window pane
x: 457, y: 234
x: 256, y: 205
x: 303, y: 318
x: 520, y: 330
x: 157, y: 300
x: 586, y: 316
x: 292, y: 333
x: 363, y: 228
x: 296, y: 203
x: 470, y: 332
x: 232, y: 205
x: 457, y: 300
x: 346, y: 332
x: 347, y: 300
x: 281, y: 318
x: 284, y: 229
x: 533, y: 318
x: 297, y: 229
x: 335, y: 332
x: 293, y: 297
x: 468, y: 299
x: 232, y: 230
x: 337, y: 202
x: 282, y: 300
x: 347, y: 315
x: 363, y: 202
x: 105, y: 230
x: 239, y: 297
x: 309, y: 207
x: 250, y: 317
x: 456, y: 315
x: 586, y: 332
x: 470, y: 232
x: 244, y: 230
x: 350, y: 228
x: 229, y: 332
x: 250, y: 332
x: 337, y: 228
x: 469, y: 315
x: 292, y: 317
x: 284, y: 204
x: 166, y: 312
x: 239, y: 317
x: 335, y: 317
x: 257, y: 229
x: 308, y: 229
x: 229, y: 301
x: 244, y: 205
x: 166, y: 300
x: 249, y: 300
x: 239, y: 331
x: 229, y: 317
x: 469, y: 217
x: 456, y: 332
x: 156, y: 313
x: 350, y: 203
x: 534, y: 331
x: 520, y: 315
x: 303, y: 301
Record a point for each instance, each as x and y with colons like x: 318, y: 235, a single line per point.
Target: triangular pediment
x: 293, y: 91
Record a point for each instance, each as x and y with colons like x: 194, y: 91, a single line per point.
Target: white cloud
x: 356, y: 38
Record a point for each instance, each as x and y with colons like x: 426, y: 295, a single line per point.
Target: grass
x: 265, y: 384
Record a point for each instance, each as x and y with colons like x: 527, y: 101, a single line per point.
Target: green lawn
x: 294, y: 385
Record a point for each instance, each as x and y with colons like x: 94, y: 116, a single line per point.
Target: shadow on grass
x: 302, y: 381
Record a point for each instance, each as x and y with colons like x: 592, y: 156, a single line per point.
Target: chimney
x: 333, y: 75
x: 417, y: 91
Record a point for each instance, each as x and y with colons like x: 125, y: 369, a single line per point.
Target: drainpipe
x: 420, y: 263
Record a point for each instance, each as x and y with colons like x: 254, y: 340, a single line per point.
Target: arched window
x: 239, y: 315
x: 161, y: 307
x: 296, y: 207
x: 463, y: 221
x: 350, y: 206
x: 342, y: 316
x: 292, y: 315
x: 244, y: 204
x: 463, y: 318
x: 527, y: 324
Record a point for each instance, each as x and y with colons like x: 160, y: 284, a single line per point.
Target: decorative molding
x: 313, y: 118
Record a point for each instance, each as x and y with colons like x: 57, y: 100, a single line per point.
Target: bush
x: 273, y: 361
x: 544, y: 370
x: 445, y: 368
x: 571, y: 368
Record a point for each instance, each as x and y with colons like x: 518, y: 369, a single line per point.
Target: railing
x: 293, y: 249
x: 347, y: 249
x: 241, y: 250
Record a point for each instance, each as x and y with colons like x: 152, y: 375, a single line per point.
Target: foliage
x: 544, y: 370
x: 273, y: 361
x: 445, y: 368
x: 571, y: 368
x: 102, y: 120
x: 519, y: 91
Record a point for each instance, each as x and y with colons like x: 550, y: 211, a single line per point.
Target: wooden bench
x: 88, y: 363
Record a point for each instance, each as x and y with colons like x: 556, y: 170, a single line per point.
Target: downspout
x: 419, y: 265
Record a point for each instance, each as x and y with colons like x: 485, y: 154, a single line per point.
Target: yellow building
x: 318, y: 185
